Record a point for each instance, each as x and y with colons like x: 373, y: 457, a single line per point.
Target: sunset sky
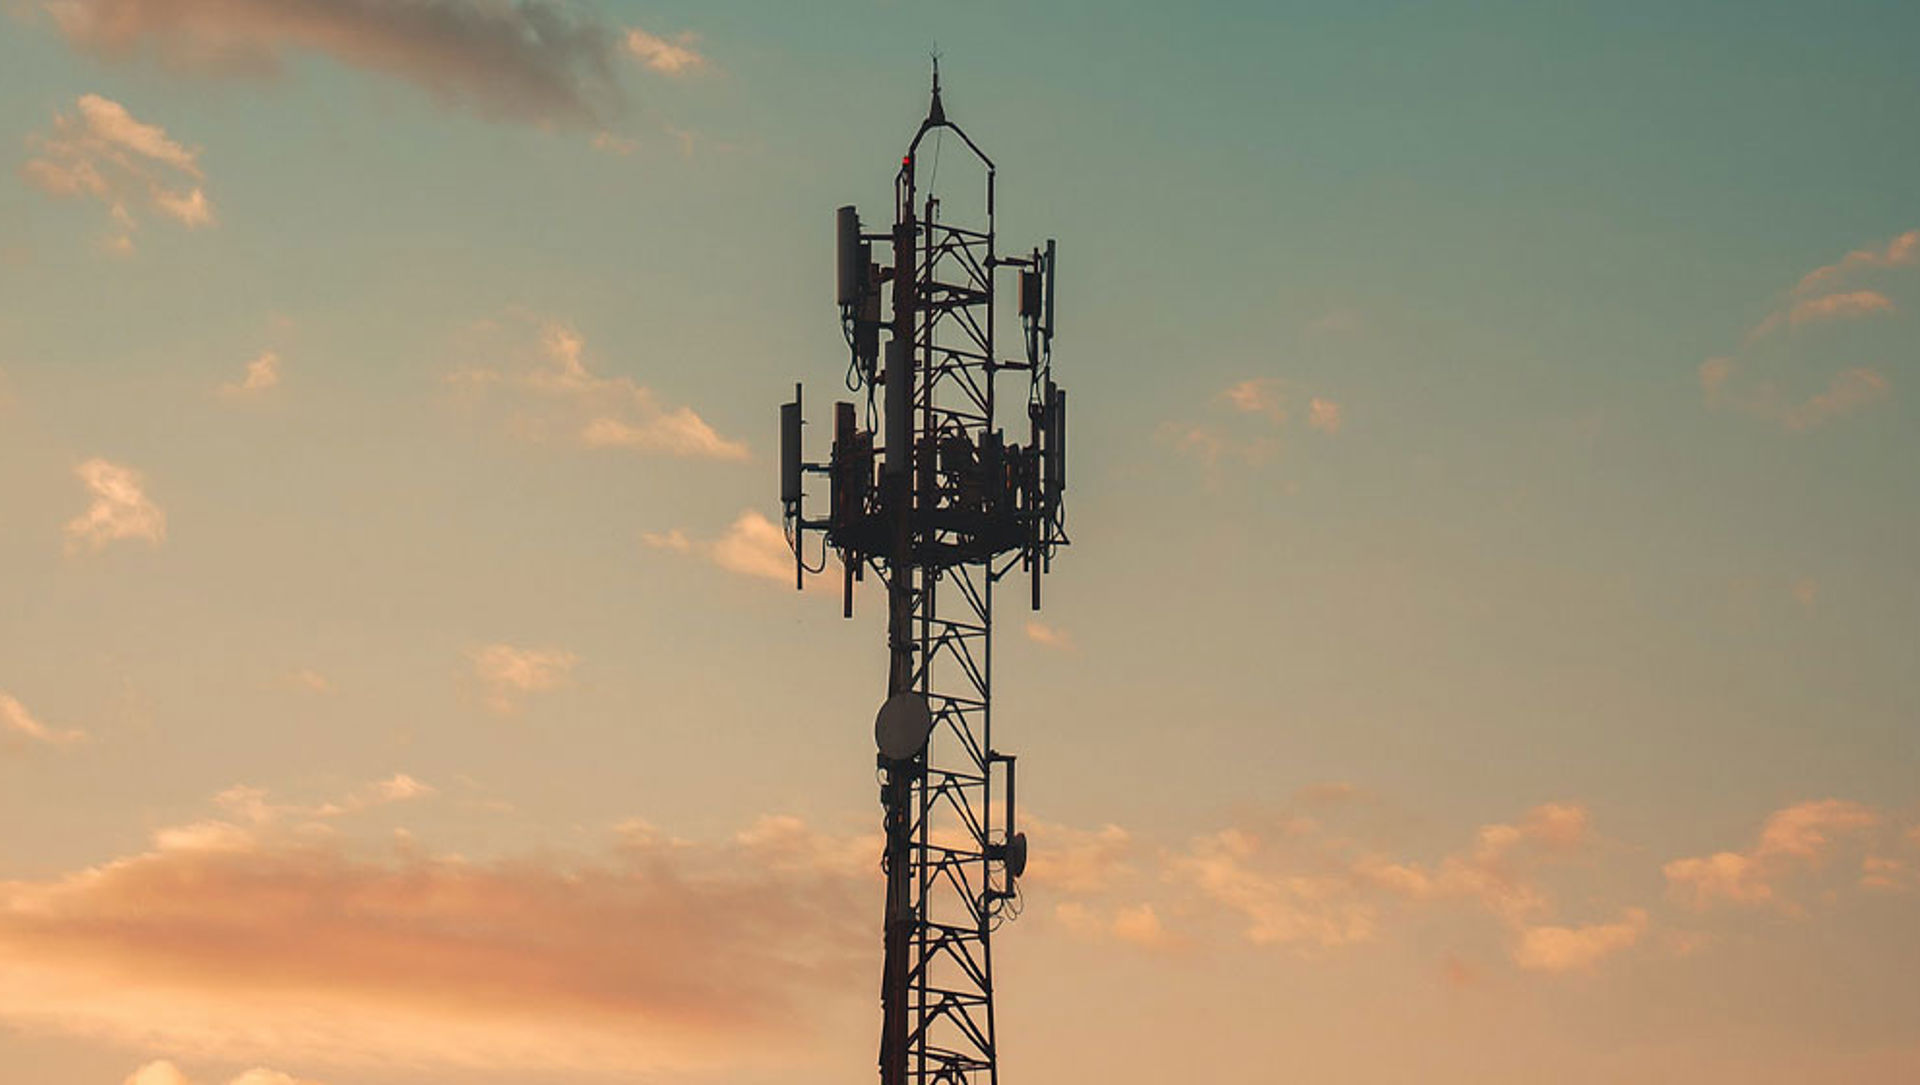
x: 1489, y: 651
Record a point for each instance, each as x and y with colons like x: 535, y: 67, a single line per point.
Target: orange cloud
x: 246, y: 809
x: 613, y: 143
x: 1497, y: 871
x: 120, y: 509
x: 1849, y: 391
x: 1212, y: 445
x: 1324, y: 415
x: 270, y: 939
x: 1234, y: 869
x: 1140, y: 925
x: 1815, y: 299
x: 1077, y: 861
x: 1902, y: 251
x: 1726, y: 875
x: 1137, y: 925
x: 307, y: 680
x: 399, y: 787
x: 101, y: 151
x: 1793, y: 839
x: 17, y: 725
x: 1301, y: 885
x: 668, y: 56
x: 1806, y: 592
x: 262, y: 374
x: 1848, y: 306
x: 1257, y: 395
x: 752, y: 546
x: 110, y: 122
x: 1807, y: 830
x: 1040, y: 632
x: 532, y: 60
x: 164, y: 1072
x: 1239, y: 437
x: 675, y: 540
x: 508, y: 674
x: 1885, y: 873
x: 559, y: 394
x: 1567, y: 949
x: 158, y: 1072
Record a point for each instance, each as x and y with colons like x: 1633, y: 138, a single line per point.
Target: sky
x: 1486, y: 653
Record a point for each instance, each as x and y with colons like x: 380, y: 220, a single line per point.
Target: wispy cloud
x: 120, y: 509
x: 751, y: 546
x: 1821, y: 297
x: 555, y: 394
x: 1040, y: 632
x: 397, y: 788
x: 1848, y: 306
x: 1848, y: 391
x: 101, y: 151
x: 1324, y: 415
x: 246, y: 811
x: 614, y: 143
x: 1825, y: 308
x: 669, y: 56
x: 508, y: 675
x: 1888, y: 874
x: 17, y: 725
x: 1257, y: 395
x: 1080, y: 862
x: 675, y: 540
x: 308, y: 680
x: 1214, y: 445
x: 262, y: 373
x: 526, y: 60
x: 1134, y: 924
x: 1255, y: 410
x: 1902, y: 251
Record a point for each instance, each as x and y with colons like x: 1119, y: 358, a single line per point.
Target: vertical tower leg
x: 897, y: 795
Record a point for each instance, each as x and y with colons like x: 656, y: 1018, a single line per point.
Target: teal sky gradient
x: 1533, y: 565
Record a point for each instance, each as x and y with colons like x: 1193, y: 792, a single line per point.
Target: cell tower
x: 940, y: 510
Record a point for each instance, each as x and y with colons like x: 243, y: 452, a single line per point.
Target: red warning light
x: 906, y: 160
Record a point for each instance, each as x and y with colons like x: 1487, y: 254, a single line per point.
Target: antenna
x: 941, y: 504
x: 852, y: 254
x: 790, y: 422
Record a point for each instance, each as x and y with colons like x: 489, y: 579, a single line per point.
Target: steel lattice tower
x: 952, y: 508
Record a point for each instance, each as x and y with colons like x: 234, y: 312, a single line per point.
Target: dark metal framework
x: 953, y: 508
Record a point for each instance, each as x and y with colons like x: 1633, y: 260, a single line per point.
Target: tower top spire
x: 937, y: 113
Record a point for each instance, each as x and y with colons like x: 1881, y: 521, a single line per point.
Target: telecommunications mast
x: 929, y: 493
